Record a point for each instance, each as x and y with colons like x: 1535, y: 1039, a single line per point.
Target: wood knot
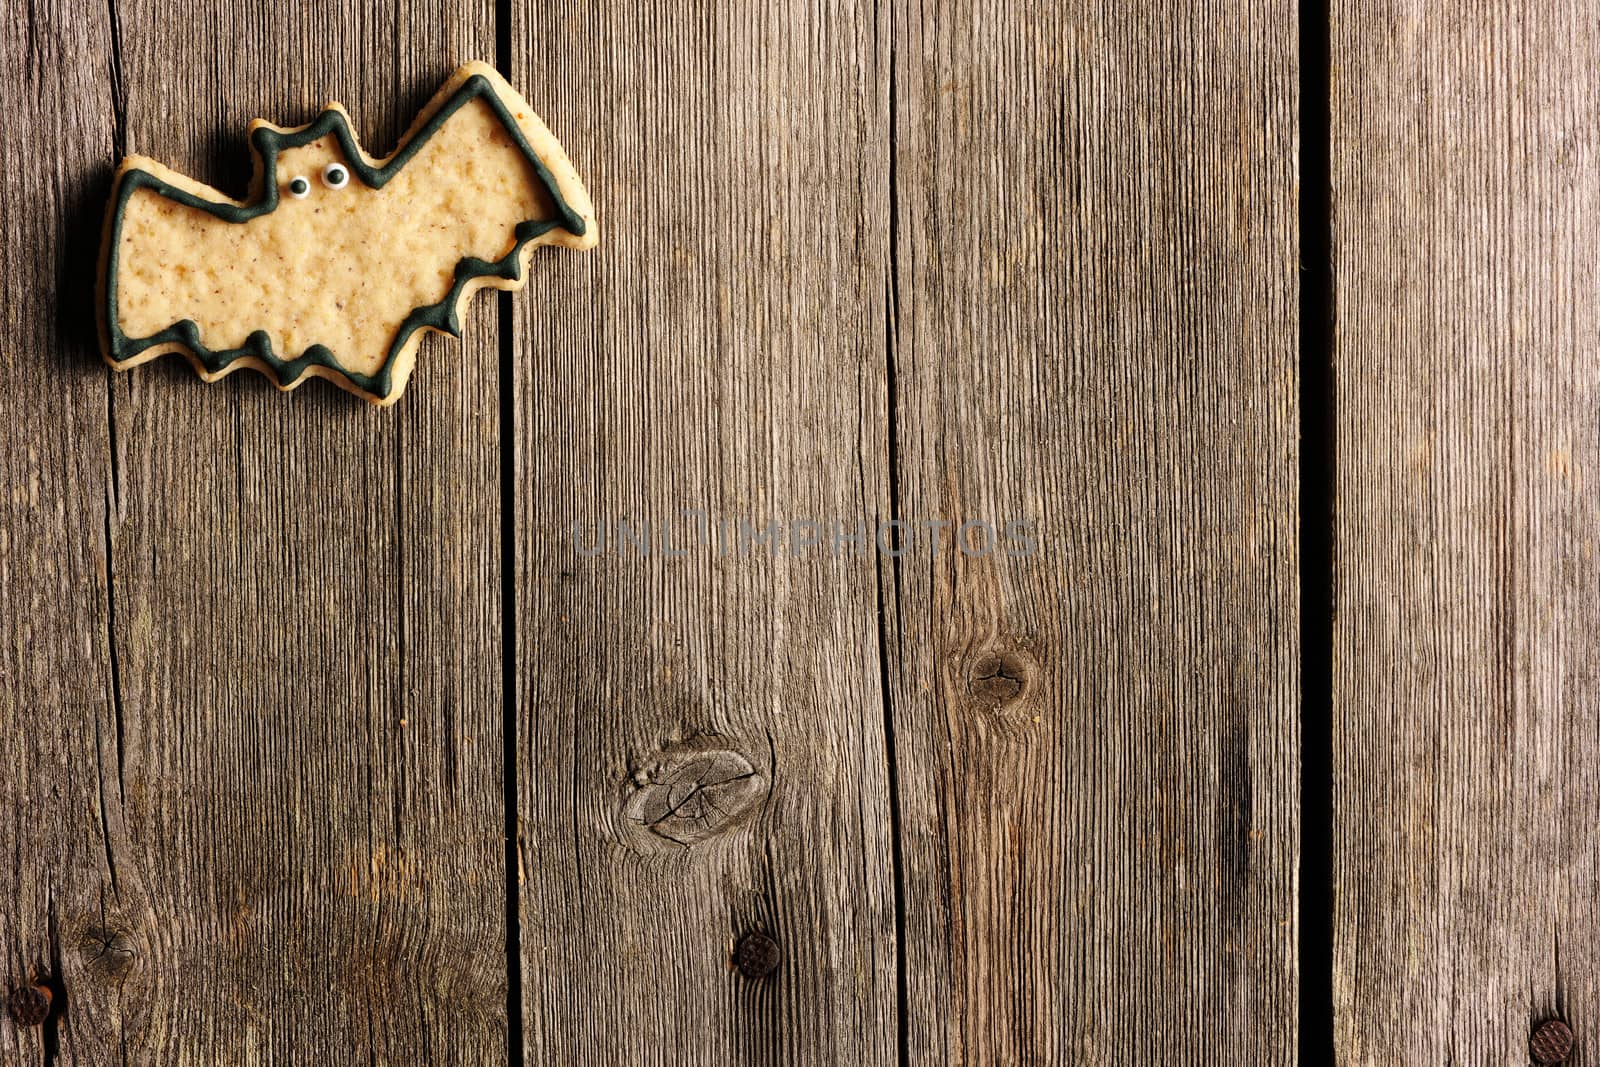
x: 1001, y: 678
x: 688, y: 796
x: 110, y: 952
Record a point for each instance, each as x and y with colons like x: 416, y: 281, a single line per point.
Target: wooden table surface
x: 322, y: 741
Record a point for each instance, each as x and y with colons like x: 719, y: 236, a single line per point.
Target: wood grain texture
x: 721, y: 350
x: 1466, y: 785
x: 58, y: 725
x: 1095, y: 306
x: 906, y: 263
x: 297, y: 765
x: 1094, y: 329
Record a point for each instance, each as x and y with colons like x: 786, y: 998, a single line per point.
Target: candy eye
x: 299, y: 188
x: 334, y: 176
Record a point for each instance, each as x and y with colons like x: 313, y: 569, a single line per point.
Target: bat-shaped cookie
x: 337, y: 262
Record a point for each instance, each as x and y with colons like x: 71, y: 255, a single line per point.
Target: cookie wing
x: 465, y: 200
x: 162, y: 234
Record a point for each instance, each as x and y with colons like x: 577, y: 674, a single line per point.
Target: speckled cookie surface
x: 337, y: 262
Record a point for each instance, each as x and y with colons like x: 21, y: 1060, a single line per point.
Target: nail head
x: 1551, y: 1042
x: 30, y: 1004
x: 756, y: 955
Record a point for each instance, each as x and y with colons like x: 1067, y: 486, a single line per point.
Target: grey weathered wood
x: 294, y: 754
x: 722, y: 350
x: 58, y: 725
x: 1094, y: 328
x: 957, y: 262
x: 1095, y: 307
x: 1466, y: 784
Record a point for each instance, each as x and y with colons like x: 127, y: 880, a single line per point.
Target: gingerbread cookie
x: 337, y: 262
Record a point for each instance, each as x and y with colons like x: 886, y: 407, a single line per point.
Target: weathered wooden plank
x: 722, y: 350
x: 303, y: 787
x: 58, y: 725
x: 1095, y: 302
x: 1466, y: 784
x: 1087, y: 753
x: 1126, y: 323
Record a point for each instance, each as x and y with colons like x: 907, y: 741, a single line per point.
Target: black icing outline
x: 268, y: 143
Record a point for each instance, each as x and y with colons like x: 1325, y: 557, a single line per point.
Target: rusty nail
x: 756, y: 955
x: 30, y: 1004
x: 1551, y: 1042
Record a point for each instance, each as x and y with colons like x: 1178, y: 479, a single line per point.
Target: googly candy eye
x: 299, y: 188
x: 334, y: 176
